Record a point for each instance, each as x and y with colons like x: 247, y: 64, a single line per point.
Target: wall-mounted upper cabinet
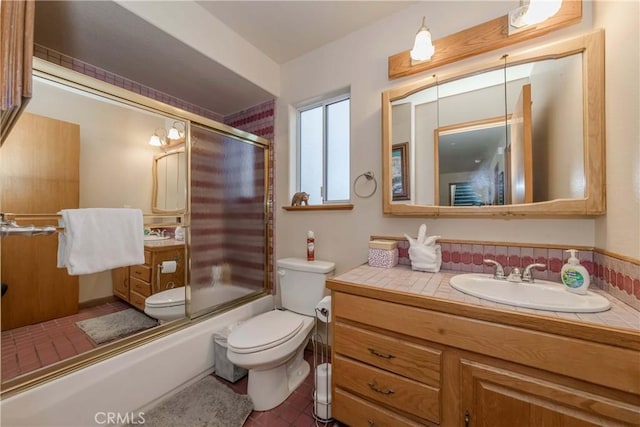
x: 16, y: 52
x: 522, y: 136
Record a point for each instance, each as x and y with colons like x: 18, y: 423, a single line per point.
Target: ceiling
x: 105, y: 34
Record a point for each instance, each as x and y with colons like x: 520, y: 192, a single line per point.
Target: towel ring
x: 369, y: 176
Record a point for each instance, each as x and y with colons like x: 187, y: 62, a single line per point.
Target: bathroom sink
x: 153, y: 238
x: 540, y: 295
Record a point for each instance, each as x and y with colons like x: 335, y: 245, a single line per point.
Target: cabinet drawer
x: 356, y: 412
x: 137, y: 300
x: 404, y: 358
x: 142, y: 272
x: 387, y: 388
x: 143, y: 288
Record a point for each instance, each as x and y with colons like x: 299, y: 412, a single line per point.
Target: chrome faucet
x: 527, y: 275
x: 499, y: 274
x: 514, y: 275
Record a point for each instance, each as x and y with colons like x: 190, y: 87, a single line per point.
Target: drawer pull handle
x: 373, y: 386
x: 377, y: 353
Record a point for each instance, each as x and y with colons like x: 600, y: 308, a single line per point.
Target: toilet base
x: 269, y: 388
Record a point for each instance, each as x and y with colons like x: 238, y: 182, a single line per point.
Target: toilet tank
x: 302, y: 283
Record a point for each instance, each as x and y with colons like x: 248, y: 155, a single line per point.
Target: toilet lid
x: 168, y: 298
x: 265, y: 331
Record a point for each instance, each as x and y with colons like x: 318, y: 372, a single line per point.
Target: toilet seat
x: 265, y: 331
x: 168, y: 298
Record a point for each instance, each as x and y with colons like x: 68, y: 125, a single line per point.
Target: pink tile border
x: 66, y: 61
x: 619, y: 277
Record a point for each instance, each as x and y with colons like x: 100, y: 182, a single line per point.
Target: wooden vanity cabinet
x: 137, y: 282
x: 396, y: 362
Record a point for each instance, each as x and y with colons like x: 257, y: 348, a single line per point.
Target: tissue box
x: 383, y: 253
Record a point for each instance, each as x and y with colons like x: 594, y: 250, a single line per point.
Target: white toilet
x: 271, y: 345
x: 166, y: 305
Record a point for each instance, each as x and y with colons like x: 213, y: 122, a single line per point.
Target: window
x: 323, y: 150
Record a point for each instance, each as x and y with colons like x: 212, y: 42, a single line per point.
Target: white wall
x: 359, y: 61
x: 619, y: 230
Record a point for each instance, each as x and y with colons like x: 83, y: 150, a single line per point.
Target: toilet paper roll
x: 169, y: 266
x: 323, y: 309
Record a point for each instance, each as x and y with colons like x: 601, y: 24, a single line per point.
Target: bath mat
x: 206, y: 403
x: 116, y: 325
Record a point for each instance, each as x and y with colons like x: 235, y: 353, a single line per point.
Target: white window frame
x: 324, y: 104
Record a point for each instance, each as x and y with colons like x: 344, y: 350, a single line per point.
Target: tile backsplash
x: 619, y: 277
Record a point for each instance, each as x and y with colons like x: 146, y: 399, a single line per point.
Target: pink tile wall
x: 66, y: 61
x: 260, y: 120
x: 619, y: 277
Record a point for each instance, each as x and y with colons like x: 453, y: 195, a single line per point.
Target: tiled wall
x: 620, y: 277
x: 260, y: 120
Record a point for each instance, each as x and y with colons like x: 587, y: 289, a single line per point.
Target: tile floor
x: 28, y: 348
x: 296, y: 411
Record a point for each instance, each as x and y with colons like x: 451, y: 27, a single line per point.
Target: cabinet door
x: 120, y: 281
x: 494, y: 397
x: 163, y: 281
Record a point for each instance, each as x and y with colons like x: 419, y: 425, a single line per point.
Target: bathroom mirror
x: 520, y: 136
x: 169, y: 182
x: 84, y: 143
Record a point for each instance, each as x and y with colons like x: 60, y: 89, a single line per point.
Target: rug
x: 116, y: 325
x: 206, y: 403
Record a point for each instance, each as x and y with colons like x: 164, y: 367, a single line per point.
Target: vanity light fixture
x: 423, y: 48
x: 174, y: 133
x: 159, y: 138
x: 532, y: 12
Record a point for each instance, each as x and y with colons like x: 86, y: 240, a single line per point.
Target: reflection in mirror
x: 229, y: 219
x: 467, y: 116
x: 169, y: 181
x: 511, y: 134
x: 74, y: 149
x: 471, y: 167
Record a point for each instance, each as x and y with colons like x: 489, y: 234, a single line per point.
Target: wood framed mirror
x: 542, y: 111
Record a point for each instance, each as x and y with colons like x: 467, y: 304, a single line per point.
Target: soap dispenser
x: 574, y: 275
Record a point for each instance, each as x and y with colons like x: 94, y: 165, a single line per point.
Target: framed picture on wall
x: 400, y: 171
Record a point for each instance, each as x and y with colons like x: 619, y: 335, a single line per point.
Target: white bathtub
x: 211, y: 296
x: 119, y: 388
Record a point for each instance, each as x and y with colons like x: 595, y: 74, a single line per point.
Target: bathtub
x: 115, y: 391
x: 210, y: 296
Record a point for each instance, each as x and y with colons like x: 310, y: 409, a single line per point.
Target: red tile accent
x: 502, y: 259
x: 455, y: 257
x: 466, y: 258
x: 555, y: 265
x: 628, y: 285
x: 636, y: 288
x: 514, y: 261
x: 446, y: 256
x: 620, y: 281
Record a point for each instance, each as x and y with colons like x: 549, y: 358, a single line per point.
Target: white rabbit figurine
x: 425, y: 255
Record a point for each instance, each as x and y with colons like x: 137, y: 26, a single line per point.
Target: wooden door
x: 39, y: 174
x: 520, y: 165
x: 497, y: 397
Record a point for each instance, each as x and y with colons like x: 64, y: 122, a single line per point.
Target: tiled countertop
x: 402, y: 278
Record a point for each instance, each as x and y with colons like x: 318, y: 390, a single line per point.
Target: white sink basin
x: 540, y: 295
x: 154, y: 238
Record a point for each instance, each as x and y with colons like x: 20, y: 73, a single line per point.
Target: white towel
x: 99, y: 239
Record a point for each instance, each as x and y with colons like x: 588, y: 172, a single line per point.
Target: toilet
x: 271, y: 345
x: 166, y: 305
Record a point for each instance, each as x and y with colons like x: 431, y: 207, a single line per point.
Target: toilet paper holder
x: 321, y: 364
